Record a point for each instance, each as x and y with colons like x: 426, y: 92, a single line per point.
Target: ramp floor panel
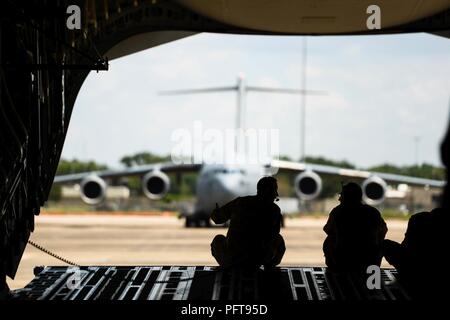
x: 203, y: 283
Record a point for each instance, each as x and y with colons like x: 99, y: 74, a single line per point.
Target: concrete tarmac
x: 156, y: 240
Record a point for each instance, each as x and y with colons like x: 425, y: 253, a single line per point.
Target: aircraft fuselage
x: 223, y: 183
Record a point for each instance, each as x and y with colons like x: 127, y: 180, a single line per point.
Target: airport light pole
x: 416, y: 149
x: 240, y: 106
x: 303, y: 103
x: 241, y: 88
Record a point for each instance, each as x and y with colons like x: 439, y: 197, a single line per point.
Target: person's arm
x: 383, y: 228
x: 223, y: 214
x: 329, y: 226
x: 412, y: 230
x: 277, y: 225
x: 378, y: 227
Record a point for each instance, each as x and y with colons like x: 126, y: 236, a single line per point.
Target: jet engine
x: 308, y: 185
x: 155, y: 185
x: 93, y: 189
x: 374, y: 190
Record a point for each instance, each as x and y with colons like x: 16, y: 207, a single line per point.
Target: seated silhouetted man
x: 355, y: 232
x: 253, y: 237
x: 423, y: 251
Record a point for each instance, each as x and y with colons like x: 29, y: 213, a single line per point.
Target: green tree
x: 424, y: 170
x: 72, y: 166
x: 329, y: 162
x: 76, y: 166
x: 142, y: 158
x: 285, y: 158
x: 55, y: 193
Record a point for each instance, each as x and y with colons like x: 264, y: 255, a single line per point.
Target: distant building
x: 412, y: 199
x: 112, y: 192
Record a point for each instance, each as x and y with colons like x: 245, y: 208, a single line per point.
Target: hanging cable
x: 54, y: 255
x: 220, y: 268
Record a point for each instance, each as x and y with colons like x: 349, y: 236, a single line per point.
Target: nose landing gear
x: 198, y: 221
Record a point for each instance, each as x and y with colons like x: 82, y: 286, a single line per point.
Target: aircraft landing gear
x: 190, y: 222
x: 197, y: 222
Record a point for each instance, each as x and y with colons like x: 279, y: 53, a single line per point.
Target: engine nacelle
x: 374, y: 190
x: 308, y: 185
x: 93, y: 190
x: 155, y: 185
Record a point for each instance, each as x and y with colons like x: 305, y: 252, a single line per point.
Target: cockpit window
x: 229, y: 171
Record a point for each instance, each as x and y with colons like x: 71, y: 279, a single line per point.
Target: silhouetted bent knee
x: 270, y: 255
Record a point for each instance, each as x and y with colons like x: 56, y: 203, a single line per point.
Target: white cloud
x: 381, y: 94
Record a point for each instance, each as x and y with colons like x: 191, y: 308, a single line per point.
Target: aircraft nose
x: 231, y: 187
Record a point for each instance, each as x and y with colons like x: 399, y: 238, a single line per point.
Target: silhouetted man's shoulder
x: 246, y: 201
x: 337, y: 210
x: 419, y: 216
x: 275, y: 207
x: 422, y: 223
x: 248, y: 198
x: 440, y: 217
x: 373, y: 216
x: 418, y: 219
x: 369, y: 208
x: 372, y: 211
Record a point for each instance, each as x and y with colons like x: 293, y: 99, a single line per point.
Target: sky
x: 387, y: 97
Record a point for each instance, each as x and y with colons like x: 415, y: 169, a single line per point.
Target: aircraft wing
x: 167, y: 167
x: 354, y: 174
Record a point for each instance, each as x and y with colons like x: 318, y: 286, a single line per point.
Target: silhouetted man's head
x: 267, y: 188
x: 445, y: 156
x: 351, y: 193
x: 440, y: 212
